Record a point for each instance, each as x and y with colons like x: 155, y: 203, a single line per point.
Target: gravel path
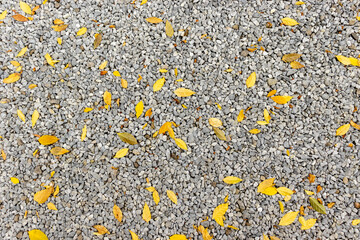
x: 325, y: 97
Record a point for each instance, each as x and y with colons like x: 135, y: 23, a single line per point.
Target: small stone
x: 357, y: 205
x: 136, y: 164
x: 16, y: 218
x: 245, y: 53
x: 346, y: 180
x: 235, y: 27
x: 19, y: 235
x: 20, y: 142
x: 352, y: 22
x: 213, y: 184
x: 272, y: 81
x: 228, y: 231
x: 37, y: 170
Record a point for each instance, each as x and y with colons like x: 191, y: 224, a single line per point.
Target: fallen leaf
x: 354, y: 61
x: 117, y: 213
x: 43, y: 195
x: 116, y: 74
x: 12, y: 78
x: 128, y: 138
x: 267, y: 116
x: 83, y: 134
x: 25, y: 7
x: 343, y: 130
x: 215, y: 122
x: 219, y: 212
x: 318, y: 188
x: 281, y: 205
x: 58, y: 22
x: 291, y: 57
x: 254, y: 131
x: 107, y: 98
x: 317, y: 206
x: 158, y: 84
x: 167, y: 127
x: 241, y: 115
x: 143, y: 2
x: 288, y: 218
x: 15, y: 63
x: 20, y: 18
x: 88, y: 109
x: 133, y: 235
x: 58, y: 151
x: 307, y: 224
x: 103, y: 65
x: 156, y: 197
x: 59, y: 28
x: 22, y: 52
x: 101, y: 230
x: 81, y: 31
x: 57, y: 190
x: 355, y: 222
x: 50, y: 61
x: 232, y: 180
x: 299, y: 3
x: 204, y: 232
x: 274, y: 238
x: 14, y: 180
x: 3, y: 154
x: 3, y: 15
x: 37, y: 234
x: 21, y: 115
x: 250, y: 81
x: 163, y: 70
x: 154, y: 20
x: 281, y: 99
x: 219, y: 133
x: 270, y: 191
x: 353, y: 124
x: 178, y: 237
x: 121, y: 153
x: 183, y: 92
x: 265, y: 184
x: 169, y: 29
x: 265, y: 237
x: 330, y: 205
x: 284, y: 191
x: 97, y: 41
x: 124, y: 83
x: 181, y: 144
x: 311, y: 178
x: 51, y: 206
x: 139, y: 108
x: 289, y: 21
x: 148, y: 112
x: 296, y: 65
x: 344, y: 60
x: 35, y: 116
x: 146, y: 213
x: 172, y: 196
x: 309, y: 192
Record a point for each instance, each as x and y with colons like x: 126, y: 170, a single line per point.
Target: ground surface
x: 325, y: 95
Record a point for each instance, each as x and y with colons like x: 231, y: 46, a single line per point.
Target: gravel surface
x: 325, y: 96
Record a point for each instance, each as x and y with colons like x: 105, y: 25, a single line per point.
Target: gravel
x: 326, y: 96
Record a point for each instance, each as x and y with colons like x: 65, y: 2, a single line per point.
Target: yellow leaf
x: 307, y: 224
x: 22, y: 52
x: 220, y: 134
x: 353, y: 124
x: 357, y: 17
x: 289, y: 21
x: 25, y: 7
x: 21, y: 115
x: 3, y: 154
x: 287, y: 198
x: 43, y: 195
x: 121, y: 153
x: 133, y: 235
x: 59, y: 28
x: 343, y: 130
x: 158, y: 84
x: 219, y: 212
x: 355, y: 222
x: 299, y: 3
x: 270, y: 191
x: 12, y: 78
x: 218, y: 105
x: 107, y: 98
x: 281, y: 205
x: 37, y: 234
x: 344, y: 60
x: 288, y: 218
x: 354, y: 61
x: 156, y: 197
x: 146, y: 213
x: 250, y: 81
x: 18, y: 69
x: 88, y: 109
x: 226, y: 198
x: 291, y: 57
x: 204, y: 232
x: 103, y: 65
x: 50, y: 61
x: 3, y: 15
x: 128, y: 138
x: 271, y: 93
x: 83, y: 134
x: 148, y: 112
x: 183, y: 92
x: 172, y: 196
x: 176, y: 72
x: 52, y: 174
x: 57, y: 190
x: 97, y: 41
x: 142, y: 3
x: 241, y: 116
x: 232, y: 180
x: 309, y: 192
x: 59, y: 41
x: 267, y: 116
x: 35, y: 116
x: 163, y: 70
x: 281, y: 99
x: 274, y: 238
x: 58, y: 22
x: 154, y: 20
x: 81, y: 31
x: 254, y: 131
x: 14, y: 180
x: 215, y: 122
x: 20, y: 18
x: 139, y: 109
x: 181, y: 144
x: 101, y: 230
x: 265, y: 184
x: 296, y: 65
x: 262, y: 122
x: 265, y: 237
x: 169, y: 29
x: 177, y: 237
x: 51, y: 206
x: 151, y: 189
x: 15, y: 63
x: 57, y: 151
x: 117, y: 213
x: 284, y: 191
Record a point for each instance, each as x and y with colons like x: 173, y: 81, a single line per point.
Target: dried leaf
x: 35, y: 116
x: 148, y: 112
x: 169, y: 29
x: 21, y: 115
x: 219, y: 133
x: 353, y: 124
x: 285, y: 191
x: 3, y: 15
x: 158, y: 84
x: 101, y: 230
x: 265, y: 184
x: 296, y: 65
x: 183, y: 92
x: 59, y: 28
x: 307, y: 224
x: 117, y: 213
x: 83, y: 134
x: 241, y: 115
x: 121, y: 153
x: 133, y: 235
x: 354, y: 61
x: 288, y: 218
x: 37, y: 234
x: 154, y: 20
x: 270, y: 191
x: 81, y: 31
x: 250, y: 81
x: 50, y: 61
x: 128, y: 138
x: 47, y: 140
x: 355, y: 222
x: 97, y: 41
x: 281, y: 99
x: 215, y: 122
x: 181, y: 144
x: 254, y: 131
x: 219, y: 212
x: 281, y: 205
x: 343, y: 130
x: 344, y: 60
x: 25, y: 7
x: 58, y: 151
x: 22, y: 52
x: 43, y: 195
x: 139, y: 109
x: 107, y: 98
x: 317, y: 206
x: 51, y: 206
x: 15, y: 63
x: 291, y: 57
x: 146, y: 213
x: 14, y: 180
x: 289, y: 21
x: 178, y: 237
x: 232, y: 180
x: 156, y: 197
x: 172, y: 196
x: 274, y: 238
x: 12, y: 78
x: 20, y: 18
x: 311, y: 178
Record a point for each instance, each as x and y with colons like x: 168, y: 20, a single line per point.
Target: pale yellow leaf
x: 14, y: 180
x: 133, y: 235
x: 58, y: 21
x: 291, y: 57
x: 219, y: 133
x: 101, y: 230
x: 22, y: 52
x: 103, y: 65
x: 241, y: 115
x: 59, y: 28
x: 219, y: 212
x: 287, y: 198
x: 158, y: 84
x: 178, y: 237
x: 139, y: 109
x: 121, y: 153
x: 150, y: 189
x: 146, y: 213
x: 21, y: 115
x: 51, y: 206
x: 343, y: 130
x: 117, y: 213
x: 267, y: 116
x: 232, y: 180
x: 169, y: 29
x: 107, y: 98
x: 265, y: 184
x: 183, y: 92
x: 270, y: 191
x: 50, y: 61
x: 81, y: 31
x: 25, y: 7
x: 124, y: 83
x: 15, y: 63
x: 281, y: 205
x: 3, y: 15
x: 47, y: 140
x: 37, y: 234
x: 254, y: 131
x: 172, y: 196
x: 156, y: 197
x: 57, y: 151
x: 215, y: 122
x: 281, y: 99
x: 12, y: 78
x: 289, y: 21
x: 181, y: 144
x: 262, y: 122
x: 309, y: 192
x: 288, y: 218
x: 296, y: 65
x: 284, y: 191
x: 355, y: 222
x: 35, y: 116
x: 250, y: 81
x: 88, y: 109
x: 83, y: 134
x: 344, y: 60
x: 307, y: 224
x: 154, y: 20
x: 43, y: 195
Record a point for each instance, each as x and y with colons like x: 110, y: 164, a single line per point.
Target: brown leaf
x: 291, y: 57
x: 97, y: 41
x: 20, y: 18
